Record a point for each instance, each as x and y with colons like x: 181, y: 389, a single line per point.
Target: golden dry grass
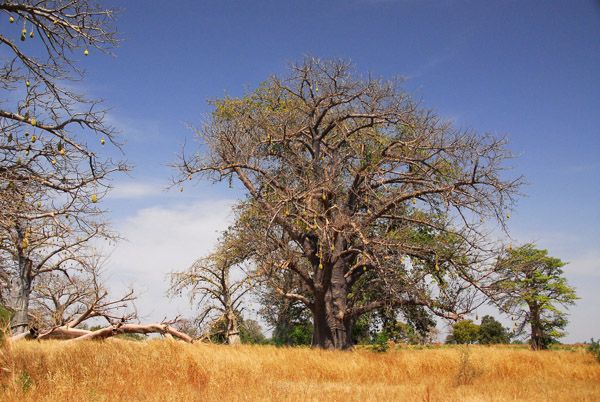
x: 160, y: 370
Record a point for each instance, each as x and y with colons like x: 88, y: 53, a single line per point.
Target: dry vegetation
x: 159, y: 370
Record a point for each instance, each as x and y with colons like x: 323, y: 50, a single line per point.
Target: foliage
x: 289, y: 318
x: 5, y: 316
x: 368, y: 199
x: 251, y: 332
x: 594, y: 349
x: 382, y: 343
x: 385, y: 322
x: 492, y: 332
x: 465, y: 332
x: 531, y: 288
x: 133, y: 337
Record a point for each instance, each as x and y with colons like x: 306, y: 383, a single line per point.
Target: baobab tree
x: 58, y: 299
x: 531, y: 288
x: 51, y: 173
x: 358, y: 190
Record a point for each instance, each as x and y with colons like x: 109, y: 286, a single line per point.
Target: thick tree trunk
x: 332, y: 326
x: 20, y: 291
x: 233, y: 334
x: 330, y: 332
x: 537, y: 335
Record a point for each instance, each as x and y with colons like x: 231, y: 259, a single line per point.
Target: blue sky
x: 526, y: 69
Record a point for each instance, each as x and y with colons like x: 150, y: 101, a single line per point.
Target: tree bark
x: 537, y: 341
x: 20, y: 293
x: 332, y: 326
x: 74, y: 334
x: 233, y: 337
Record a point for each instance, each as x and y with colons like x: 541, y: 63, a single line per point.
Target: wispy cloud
x: 161, y: 240
x: 132, y: 190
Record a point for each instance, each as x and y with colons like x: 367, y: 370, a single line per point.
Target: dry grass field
x: 159, y: 370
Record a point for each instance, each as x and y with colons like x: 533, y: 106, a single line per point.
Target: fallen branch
x: 75, y: 334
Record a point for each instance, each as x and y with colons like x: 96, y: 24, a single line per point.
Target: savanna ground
x: 162, y: 370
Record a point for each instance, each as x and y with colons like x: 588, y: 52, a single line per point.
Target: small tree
x: 531, y: 288
x: 492, y: 332
x: 210, y: 283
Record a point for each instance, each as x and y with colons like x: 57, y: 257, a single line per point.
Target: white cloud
x: 161, y: 240
x: 132, y: 190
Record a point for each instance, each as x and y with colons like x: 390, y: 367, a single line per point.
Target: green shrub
x: 594, y: 349
x: 382, y: 343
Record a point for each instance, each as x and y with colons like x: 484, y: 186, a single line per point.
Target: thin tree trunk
x: 19, y: 295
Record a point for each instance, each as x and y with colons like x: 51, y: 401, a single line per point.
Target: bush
x: 382, y: 343
x: 594, y: 349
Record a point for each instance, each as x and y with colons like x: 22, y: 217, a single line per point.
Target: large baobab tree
x: 51, y: 173
x: 368, y: 198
